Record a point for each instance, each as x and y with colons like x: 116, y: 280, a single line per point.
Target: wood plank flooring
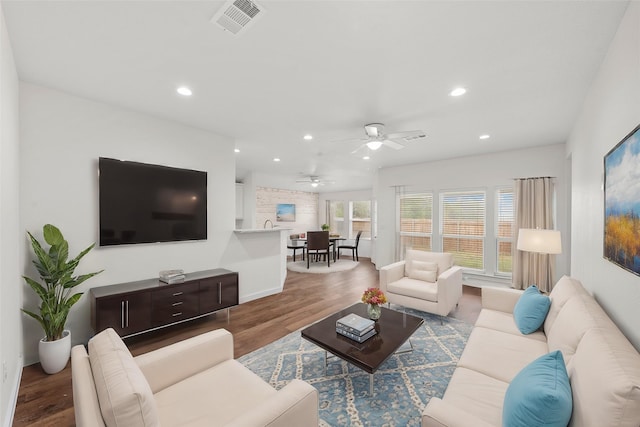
x: 46, y: 400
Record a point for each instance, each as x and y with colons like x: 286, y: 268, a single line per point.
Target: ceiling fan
x: 314, y: 180
x: 376, y: 138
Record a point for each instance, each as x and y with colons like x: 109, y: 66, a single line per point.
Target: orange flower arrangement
x: 374, y: 296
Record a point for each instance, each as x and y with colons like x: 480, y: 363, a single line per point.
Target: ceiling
x: 326, y: 68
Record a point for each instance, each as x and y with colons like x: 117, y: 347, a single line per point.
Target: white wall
x: 610, y: 111
x: 11, y: 238
x: 488, y: 172
x: 365, y: 245
x: 62, y: 137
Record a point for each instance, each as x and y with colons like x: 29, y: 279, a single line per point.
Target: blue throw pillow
x: 531, y: 310
x: 540, y: 395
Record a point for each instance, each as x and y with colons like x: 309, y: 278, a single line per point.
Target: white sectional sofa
x: 195, y: 382
x: 602, y: 365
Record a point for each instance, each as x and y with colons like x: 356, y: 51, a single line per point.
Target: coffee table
x: 394, y: 329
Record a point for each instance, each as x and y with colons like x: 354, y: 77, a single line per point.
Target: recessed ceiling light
x: 308, y: 137
x: 236, y: 150
x: 366, y: 158
x: 184, y: 91
x: 458, y: 91
x: 485, y: 136
x: 276, y: 159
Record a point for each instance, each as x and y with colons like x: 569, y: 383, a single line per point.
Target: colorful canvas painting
x: 622, y: 203
x: 285, y: 212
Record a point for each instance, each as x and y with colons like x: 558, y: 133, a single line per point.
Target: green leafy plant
x: 325, y: 227
x: 56, y: 271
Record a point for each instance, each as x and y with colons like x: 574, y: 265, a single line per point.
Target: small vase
x: 374, y: 311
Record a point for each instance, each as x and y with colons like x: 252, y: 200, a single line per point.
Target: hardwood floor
x: 46, y: 400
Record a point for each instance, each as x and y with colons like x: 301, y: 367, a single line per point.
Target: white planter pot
x: 54, y: 355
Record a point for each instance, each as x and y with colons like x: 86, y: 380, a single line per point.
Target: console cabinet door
x: 218, y: 292
x: 126, y: 314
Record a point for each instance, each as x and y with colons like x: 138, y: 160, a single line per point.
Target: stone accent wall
x: 306, y: 208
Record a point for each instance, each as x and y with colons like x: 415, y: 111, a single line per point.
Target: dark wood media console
x: 136, y: 307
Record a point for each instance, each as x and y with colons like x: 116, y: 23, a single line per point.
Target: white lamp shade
x: 541, y: 241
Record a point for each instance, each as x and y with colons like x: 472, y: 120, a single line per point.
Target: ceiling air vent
x: 237, y: 15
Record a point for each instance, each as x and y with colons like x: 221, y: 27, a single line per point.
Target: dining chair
x: 354, y: 247
x: 318, y: 244
x: 295, y: 245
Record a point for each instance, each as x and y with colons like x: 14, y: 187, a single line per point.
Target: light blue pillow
x: 531, y: 310
x: 540, y: 395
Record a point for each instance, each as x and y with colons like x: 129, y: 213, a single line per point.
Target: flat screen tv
x: 144, y: 203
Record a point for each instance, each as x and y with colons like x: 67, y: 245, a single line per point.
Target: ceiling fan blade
x: 407, y: 136
x: 358, y: 149
x: 349, y: 141
x: 392, y: 144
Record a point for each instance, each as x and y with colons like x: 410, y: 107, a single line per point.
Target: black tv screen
x: 143, y: 203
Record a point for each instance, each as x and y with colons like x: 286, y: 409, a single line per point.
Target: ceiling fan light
x: 314, y: 184
x: 374, y: 145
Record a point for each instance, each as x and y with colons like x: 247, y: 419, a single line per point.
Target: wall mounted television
x: 145, y: 203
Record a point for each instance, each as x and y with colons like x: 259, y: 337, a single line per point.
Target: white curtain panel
x: 533, y: 209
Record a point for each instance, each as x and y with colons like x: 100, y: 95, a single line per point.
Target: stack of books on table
x: 356, y: 327
x: 172, y: 276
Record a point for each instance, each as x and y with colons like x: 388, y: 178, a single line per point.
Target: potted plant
x: 56, y: 295
x: 325, y: 227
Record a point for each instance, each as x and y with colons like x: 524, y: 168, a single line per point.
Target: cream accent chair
x: 195, y: 382
x: 425, y: 281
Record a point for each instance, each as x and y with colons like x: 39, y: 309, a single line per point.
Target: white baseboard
x: 13, y: 400
x: 261, y: 294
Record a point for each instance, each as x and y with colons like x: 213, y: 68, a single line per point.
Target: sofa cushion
x: 414, y: 288
x: 424, y: 270
x: 501, y: 321
x: 123, y: 392
x: 530, y: 310
x: 562, y: 291
x: 498, y: 354
x: 196, y: 402
x: 577, y: 316
x: 605, y: 380
x: 540, y: 395
x: 479, y: 394
x: 444, y: 260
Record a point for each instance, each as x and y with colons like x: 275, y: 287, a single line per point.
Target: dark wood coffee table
x: 394, y: 329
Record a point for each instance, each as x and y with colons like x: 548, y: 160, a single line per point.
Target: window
x: 360, y: 219
x: 463, y: 227
x: 335, y: 217
x: 416, y: 227
x: 504, y: 230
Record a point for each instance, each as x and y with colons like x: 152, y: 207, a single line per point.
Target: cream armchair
x: 426, y: 281
x: 195, y: 382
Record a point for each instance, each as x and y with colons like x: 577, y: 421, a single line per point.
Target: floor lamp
x: 542, y: 242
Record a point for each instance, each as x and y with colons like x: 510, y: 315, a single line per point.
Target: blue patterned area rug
x: 403, y: 385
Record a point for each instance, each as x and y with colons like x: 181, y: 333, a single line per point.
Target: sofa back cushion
x: 563, y: 290
x: 580, y: 314
x: 605, y: 380
x: 424, y: 270
x: 443, y: 259
x: 123, y: 392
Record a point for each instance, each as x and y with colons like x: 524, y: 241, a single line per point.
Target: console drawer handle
x: 178, y: 294
x: 176, y: 303
x: 176, y: 314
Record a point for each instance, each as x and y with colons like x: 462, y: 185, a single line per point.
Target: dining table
x: 332, y: 241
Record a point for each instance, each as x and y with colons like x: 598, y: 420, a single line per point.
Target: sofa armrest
x: 390, y: 273
x: 500, y: 299
x: 450, y: 286
x: 85, y: 398
x: 176, y: 362
x: 439, y: 413
x: 296, y: 404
